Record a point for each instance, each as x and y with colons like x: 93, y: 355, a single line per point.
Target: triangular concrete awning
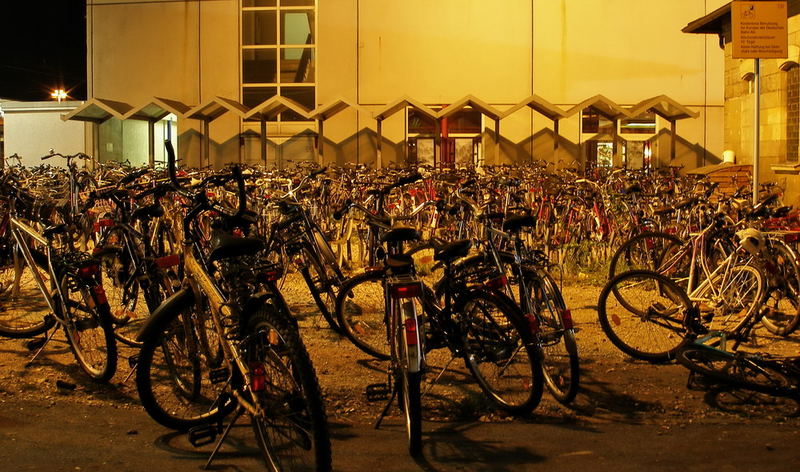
x: 276, y: 105
x: 98, y: 110
x: 472, y: 102
x: 157, y: 109
x: 401, y: 104
x: 664, y: 107
x: 540, y: 105
x: 331, y: 109
x: 602, y: 104
x: 216, y: 107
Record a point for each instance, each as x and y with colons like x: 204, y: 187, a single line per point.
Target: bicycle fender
x: 166, y: 311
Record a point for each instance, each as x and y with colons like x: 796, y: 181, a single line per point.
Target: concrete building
x: 779, y: 103
x: 31, y: 129
x: 372, y: 52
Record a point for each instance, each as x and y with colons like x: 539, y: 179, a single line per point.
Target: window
x: 278, y: 39
x: 595, y: 123
x: 792, y: 113
x: 642, y: 124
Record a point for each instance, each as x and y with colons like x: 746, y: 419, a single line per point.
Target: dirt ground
x: 614, y: 388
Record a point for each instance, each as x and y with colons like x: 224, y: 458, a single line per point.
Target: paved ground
x: 630, y: 415
x: 64, y: 436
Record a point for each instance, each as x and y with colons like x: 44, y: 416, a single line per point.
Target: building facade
x: 372, y: 52
x: 779, y: 101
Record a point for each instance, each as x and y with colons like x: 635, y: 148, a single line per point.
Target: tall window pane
x: 297, y: 27
x: 297, y: 65
x: 259, y: 66
x: 259, y: 28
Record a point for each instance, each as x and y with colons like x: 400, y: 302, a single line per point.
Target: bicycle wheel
x: 320, y: 282
x: 783, y: 291
x: 291, y: 428
x: 500, y: 351
x: 361, y: 312
x: 88, y: 328
x: 409, y: 391
x: 645, y: 251
x: 738, y: 369
x: 731, y: 297
x: 642, y: 314
x: 23, y: 310
x: 120, y: 279
x: 559, y: 346
x: 173, y: 378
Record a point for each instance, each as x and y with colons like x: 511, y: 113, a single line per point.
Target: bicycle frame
x: 20, y: 230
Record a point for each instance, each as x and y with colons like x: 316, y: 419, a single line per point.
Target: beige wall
x: 374, y: 51
x: 31, y: 132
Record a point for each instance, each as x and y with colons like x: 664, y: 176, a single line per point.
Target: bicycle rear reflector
x: 168, y: 261
x: 566, y: 315
x: 533, y: 323
x: 88, y: 271
x: 406, y: 291
x: 103, y: 223
x: 497, y: 283
x: 411, y: 332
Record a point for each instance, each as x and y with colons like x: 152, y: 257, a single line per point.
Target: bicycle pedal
x: 202, y: 435
x: 220, y: 375
x: 133, y: 360
x: 378, y: 392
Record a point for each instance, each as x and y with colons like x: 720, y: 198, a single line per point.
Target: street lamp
x: 59, y: 94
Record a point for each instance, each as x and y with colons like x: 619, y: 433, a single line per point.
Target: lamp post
x: 59, y: 94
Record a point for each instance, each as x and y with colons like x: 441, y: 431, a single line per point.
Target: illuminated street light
x: 59, y: 94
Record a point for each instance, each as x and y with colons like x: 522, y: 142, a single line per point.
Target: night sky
x: 43, y: 48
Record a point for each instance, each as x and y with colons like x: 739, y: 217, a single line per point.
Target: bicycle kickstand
x: 386, y: 408
x: 236, y: 415
x: 41, y: 348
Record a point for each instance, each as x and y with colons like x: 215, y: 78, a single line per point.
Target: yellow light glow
x: 59, y: 94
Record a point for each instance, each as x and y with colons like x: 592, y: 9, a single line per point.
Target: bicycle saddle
x: 148, y: 212
x: 517, y: 222
x: 225, y: 245
x: 399, y: 234
x: 452, y: 251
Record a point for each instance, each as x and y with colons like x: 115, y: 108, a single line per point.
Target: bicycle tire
x: 361, y: 312
x: 741, y: 297
x: 409, y: 383
x: 172, y: 379
x: 88, y: 328
x: 642, y: 252
x: 738, y: 370
x: 783, y: 291
x: 285, y: 387
x: 320, y: 284
x: 19, y: 317
x: 648, y: 323
x: 560, y: 361
x: 500, y: 351
x: 126, y: 297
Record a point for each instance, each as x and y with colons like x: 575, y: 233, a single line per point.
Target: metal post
x: 320, y: 140
x: 555, y: 142
x: 497, y: 142
x: 263, y: 142
x: 206, y: 143
x: 378, y: 157
x: 756, y: 129
x: 673, y: 128
x: 151, y: 142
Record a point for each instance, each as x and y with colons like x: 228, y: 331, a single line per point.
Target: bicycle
x: 70, y: 284
x: 265, y: 370
x: 480, y: 326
